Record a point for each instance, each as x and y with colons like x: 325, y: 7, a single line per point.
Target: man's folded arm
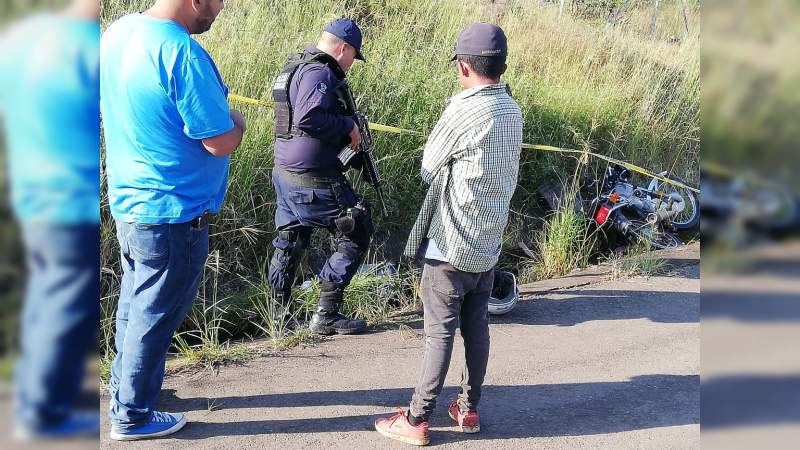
x: 226, y: 143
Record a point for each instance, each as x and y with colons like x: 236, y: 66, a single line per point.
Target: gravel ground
x: 595, y: 364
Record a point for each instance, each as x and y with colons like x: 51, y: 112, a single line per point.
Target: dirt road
x: 580, y: 363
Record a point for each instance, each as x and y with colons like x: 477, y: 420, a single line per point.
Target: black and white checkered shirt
x: 471, y: 161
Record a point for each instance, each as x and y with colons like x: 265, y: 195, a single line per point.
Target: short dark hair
x: 485, y: 66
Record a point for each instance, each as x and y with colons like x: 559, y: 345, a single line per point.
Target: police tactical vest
x: 284, y: 112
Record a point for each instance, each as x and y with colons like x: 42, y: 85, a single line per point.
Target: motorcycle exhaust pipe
x: 668, y: 209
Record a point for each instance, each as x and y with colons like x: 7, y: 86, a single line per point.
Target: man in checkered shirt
x: 471, y: 161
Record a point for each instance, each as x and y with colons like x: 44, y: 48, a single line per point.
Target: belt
x: 294, y: 132
x: 314, y: 179
x: 200, y: 221
x: 298, y: 132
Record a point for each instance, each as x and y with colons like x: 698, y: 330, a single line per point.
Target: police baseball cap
x: 481, y: 39
x: 347, y: 30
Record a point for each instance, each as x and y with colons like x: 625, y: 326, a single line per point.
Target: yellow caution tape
x: 241, y: 99
x: 618, y: 162
x: 547, y: 148
x: 388, y: 129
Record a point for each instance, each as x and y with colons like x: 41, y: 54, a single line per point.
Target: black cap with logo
x: 481, y: 39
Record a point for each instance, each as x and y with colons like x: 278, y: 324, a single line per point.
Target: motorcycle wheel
x: 654, y: 235
x: 689, y: 218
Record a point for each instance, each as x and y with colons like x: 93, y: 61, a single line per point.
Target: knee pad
x: 355, y: 243
x: 363, y: 228
x: 353, y: 251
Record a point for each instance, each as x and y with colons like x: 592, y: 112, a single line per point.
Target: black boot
x: 327, y: 320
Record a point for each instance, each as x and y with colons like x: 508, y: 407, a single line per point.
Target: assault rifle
x: 361, y: 156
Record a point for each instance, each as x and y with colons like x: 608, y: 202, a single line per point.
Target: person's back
x: 470, y: 160
x: 487, y: 122
x: 155, y: 126
x: 320, y: 123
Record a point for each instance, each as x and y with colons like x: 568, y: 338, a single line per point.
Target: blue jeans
x: 59, y: 321
x: 162, y: 266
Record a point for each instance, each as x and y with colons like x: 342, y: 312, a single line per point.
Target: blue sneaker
x: 76, y: 425
x: 160, y: 424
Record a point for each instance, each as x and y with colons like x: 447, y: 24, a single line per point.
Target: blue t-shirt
x: 49, y: 95
x: 161, y: 94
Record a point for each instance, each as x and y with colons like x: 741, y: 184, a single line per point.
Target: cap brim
x: 454, y: 58
x: 360, y: 56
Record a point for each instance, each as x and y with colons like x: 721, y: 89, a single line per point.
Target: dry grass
x: 615, y: 90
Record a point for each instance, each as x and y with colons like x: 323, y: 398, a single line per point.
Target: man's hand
x: 355, y: 137
x: 225, y: 144
x: 238, y: 119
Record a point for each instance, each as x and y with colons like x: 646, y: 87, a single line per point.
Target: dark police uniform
x: 312, y: 126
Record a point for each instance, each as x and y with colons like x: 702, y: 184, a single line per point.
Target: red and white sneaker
x: 468, y: 421
x: 397, y: 427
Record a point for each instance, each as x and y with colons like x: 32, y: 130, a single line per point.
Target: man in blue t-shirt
x: 169, y: 132
x: 50, y: 107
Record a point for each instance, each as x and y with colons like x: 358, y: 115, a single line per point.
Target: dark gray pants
x: 453, y: 298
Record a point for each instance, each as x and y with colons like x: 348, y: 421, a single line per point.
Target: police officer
x: 312, y: 125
